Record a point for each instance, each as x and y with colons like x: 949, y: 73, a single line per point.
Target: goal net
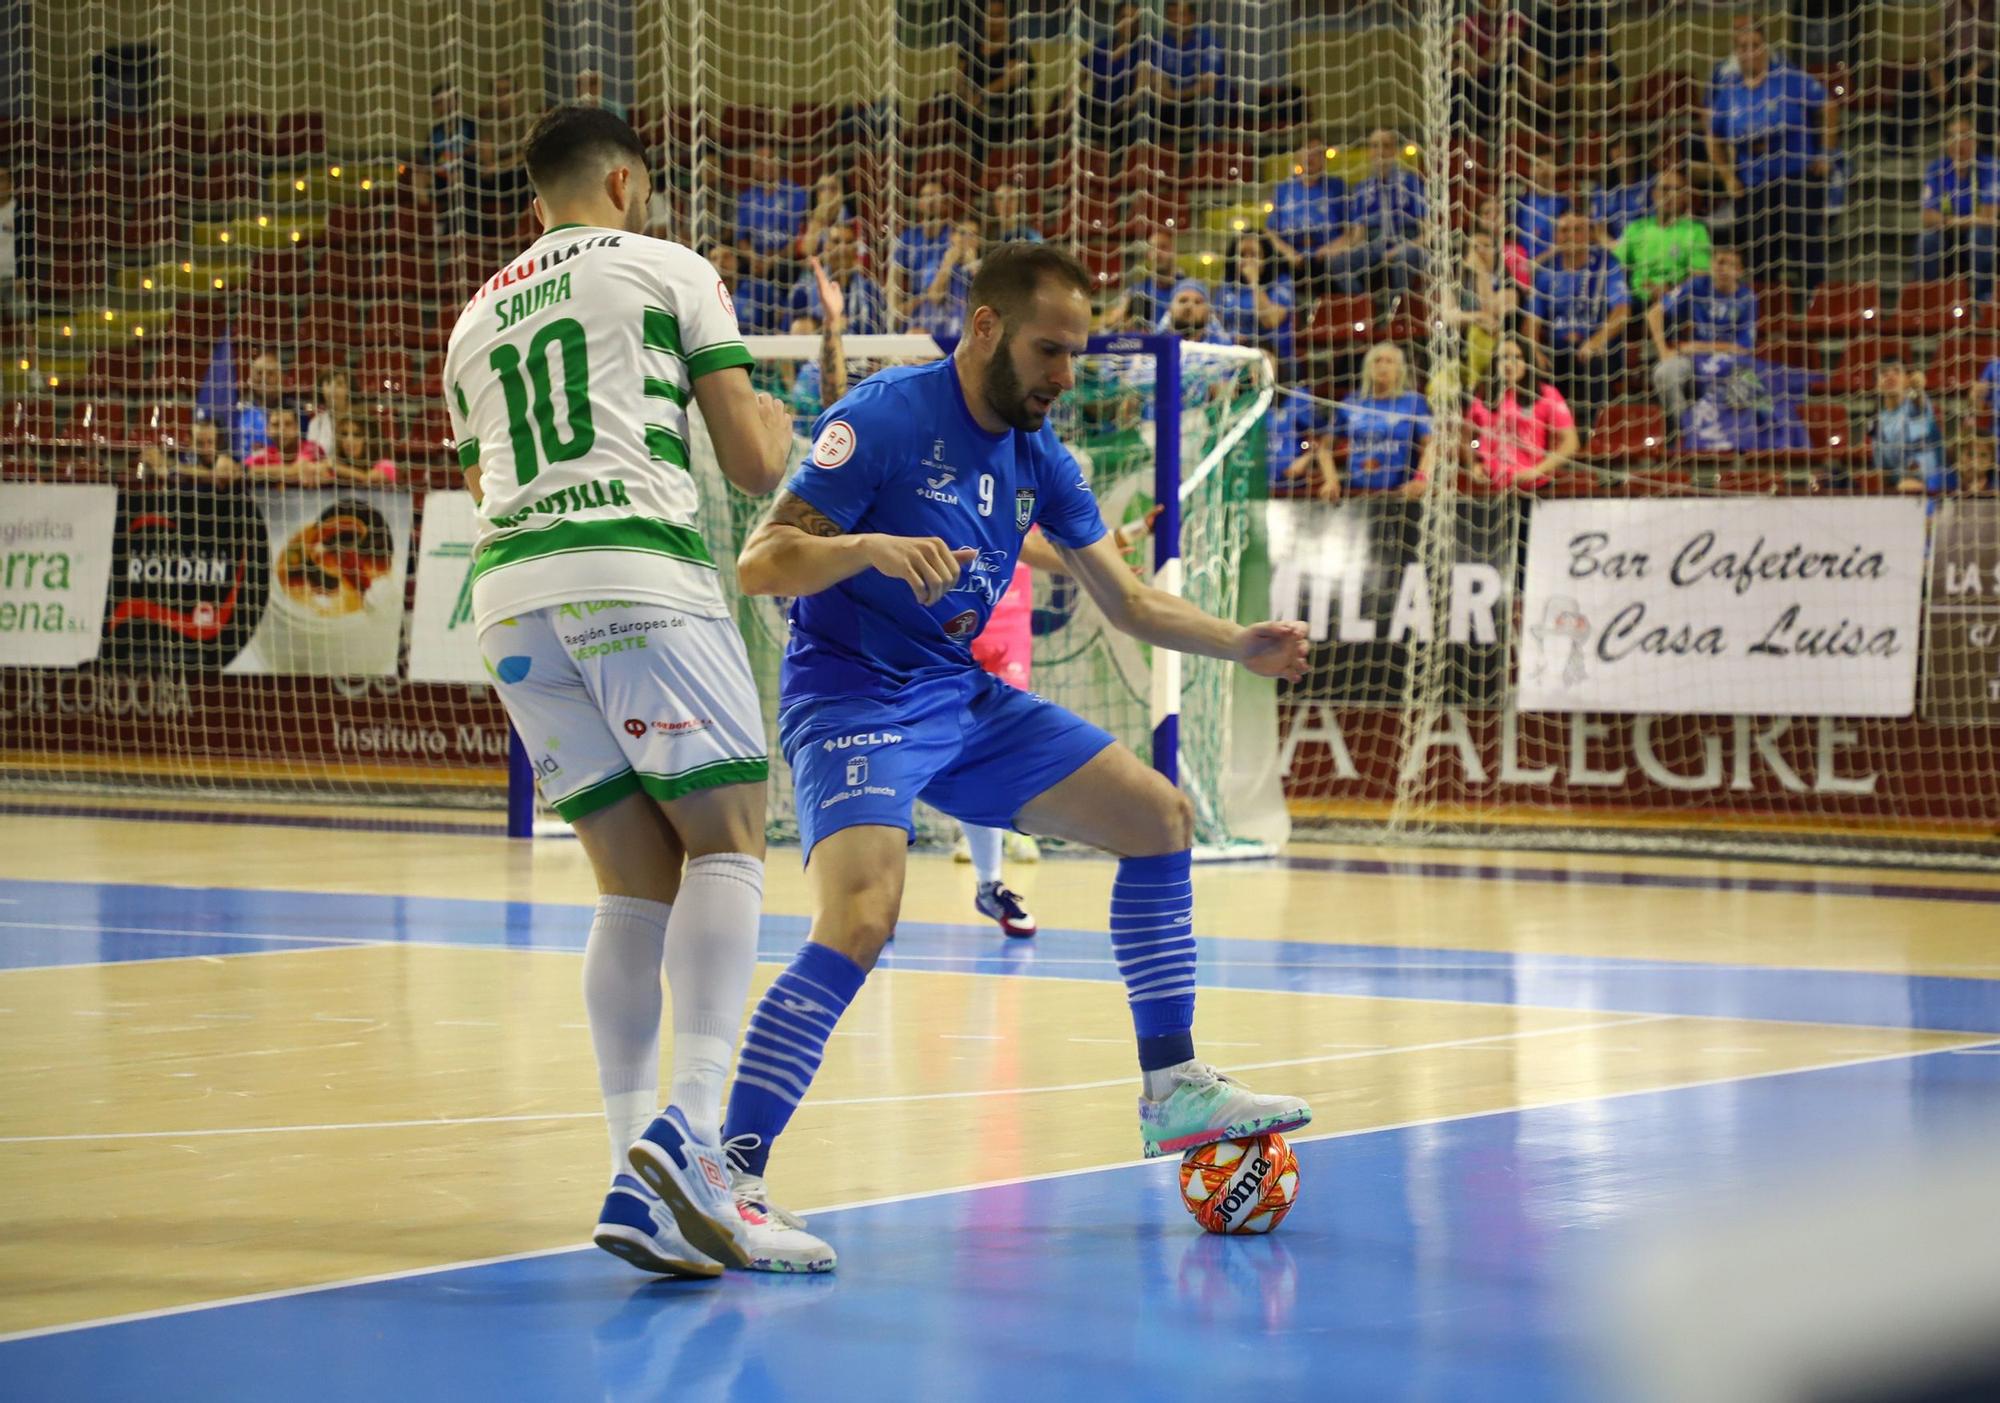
x: 215, y: 203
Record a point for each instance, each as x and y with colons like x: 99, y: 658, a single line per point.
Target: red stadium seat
x: 300, y: 136
x: 1860, y: 361
x: 1828, y: 431
x: 1931, y: 309
x: 1629, y: 433
x: 1342, y: 320
x: 1961, y: 360
x: 1843, y: 309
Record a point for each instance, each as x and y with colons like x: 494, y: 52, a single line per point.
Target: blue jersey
x: 1619, y: 207
x: 1295, y: 423
x: 1574, y: 302
x: 1535, y: 219
x: 1390, y: 209
x: 918, y: 254
x: 770, y: 217
x: 1775, y: 126
x: 1308, y: 213
x: 1235, y: 307
x: 1722, y: 318
x: 902, y: 455
x: 1951, y: 191
x: 1384, y: 436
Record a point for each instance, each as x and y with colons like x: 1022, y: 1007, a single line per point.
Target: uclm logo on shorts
x: 864, y: 738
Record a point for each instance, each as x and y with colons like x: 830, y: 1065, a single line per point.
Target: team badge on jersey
x: 1024, y: 508
x: 962, y: 625
x: 728, y: 302
x: 835, y: 444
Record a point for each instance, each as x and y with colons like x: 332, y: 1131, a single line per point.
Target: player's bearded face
x: 1006, y: 391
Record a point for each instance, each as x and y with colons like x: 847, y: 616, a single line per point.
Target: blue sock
x: 783, y: 1045
x: 1152, y: 936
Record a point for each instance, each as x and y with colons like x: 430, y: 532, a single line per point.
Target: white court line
x: 1162, y: 1163
x: 981, y: 1093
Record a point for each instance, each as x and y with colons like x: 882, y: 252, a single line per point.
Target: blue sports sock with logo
x: 784, y: 1043
x: 1152, y: 936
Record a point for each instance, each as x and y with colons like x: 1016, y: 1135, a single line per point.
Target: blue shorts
x: 970, y: 745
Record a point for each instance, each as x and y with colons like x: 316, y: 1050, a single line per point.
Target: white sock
x: 985, y: 846
x: 711, y: 953
x: 1159, y: 1082
x: 621, y: 993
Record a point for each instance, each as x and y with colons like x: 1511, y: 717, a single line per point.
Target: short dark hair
x: 1010, y: 274
x: 567, y: 137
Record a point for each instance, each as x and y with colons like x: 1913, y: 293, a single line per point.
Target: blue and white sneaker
x: 636, y: 1226
x: 693, y: 1179
x: 1005, y: 907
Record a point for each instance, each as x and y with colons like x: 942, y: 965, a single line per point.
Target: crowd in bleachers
x: 1638, y: 266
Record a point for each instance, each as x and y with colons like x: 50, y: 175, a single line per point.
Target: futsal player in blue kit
x: 895, y: 537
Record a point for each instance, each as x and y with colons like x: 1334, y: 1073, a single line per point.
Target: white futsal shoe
x: 1206, y: 1107
x: 777, y: 1240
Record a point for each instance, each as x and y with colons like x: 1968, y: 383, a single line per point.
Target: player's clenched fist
x: 1274, y: 650
x: 925, y: 563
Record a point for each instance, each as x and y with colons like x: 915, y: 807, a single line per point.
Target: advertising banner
x: 444, y: 647
x: 1962, y: 670
x: 1758, y: 606
x: 337, y: 573
x: 55, y: 558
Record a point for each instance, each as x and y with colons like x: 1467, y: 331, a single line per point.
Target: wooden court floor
x: 245, y: 1059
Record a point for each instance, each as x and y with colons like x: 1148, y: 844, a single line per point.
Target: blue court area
x: 1434, y: 1261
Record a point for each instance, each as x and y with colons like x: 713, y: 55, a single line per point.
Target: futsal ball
x: 1240, y: 1186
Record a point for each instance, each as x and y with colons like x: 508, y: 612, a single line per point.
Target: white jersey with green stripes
x: 568, y: 378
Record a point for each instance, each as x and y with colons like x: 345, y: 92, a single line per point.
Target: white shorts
x: 617, y: 698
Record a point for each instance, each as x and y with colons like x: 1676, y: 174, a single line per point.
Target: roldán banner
x: 444, y: 645
x: 1761, y: 606
x: 55, y: 557
x: 339, y: 561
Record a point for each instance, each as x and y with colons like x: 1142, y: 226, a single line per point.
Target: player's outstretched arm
x: 796, y: 550
x: 752, y: 432
x: 1168, y: 621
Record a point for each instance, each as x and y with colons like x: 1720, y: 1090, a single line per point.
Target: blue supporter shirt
x: 1906, y: 442
x: 1989, y: 391
x: 769, y: 217
x: 901, y: 454
x: 1384, y: 437
x: 1572, y: 303
x: 1294, y: 423
x: 1113, y: 75
x: 918, y: 255
x: 946, y: 318
x: 1308, y: 213
x: 867, y: 314
x: 1618, y: 207
x: 1391, y: 209
x: 1722, y: 318
x: 1190, y: 55
x: 1955, y: 193
x: 1535, y: 222
x: 1775, y: 126
x: 760, y: 307
x: 1234, y: 305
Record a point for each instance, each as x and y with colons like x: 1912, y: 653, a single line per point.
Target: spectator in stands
x: 830, y: 206
x: 1537, y: 208
x: 288, y: 458
x: 1007, y: 217
x: 1772, y: 134
x: 866, y: 313
x: 1493, y: 271
x: 502, y: 119
x: 1567, y: 61
x: 358, y: 455
x: 1299, y: 449
x: 1387, y: 428
x: 590, y: 93
x: 1906, y: 441
x: 1149, y: 287
x: 11, y: 249
x: 1109, y: 99
x: 1190, y: 316
x: 993, y: 91
x: 247, y: 427
x: 496, y: 194
x: 940, y: 308
x: 1524, y: 426
x: 333, y: 400
x: 1308, y: 224
x: 920, y: 249
x: 1188, y: 64
x: 1667, y: 247
x: 770, y: 215
x: 1387, y: 207
x: 201, y: 457
x: 760, y: 310
x: 1255, y: 303
x: 1712, y: 314
x: 1624, y: 193
x: 1961, y: 209
x: 1964, y: 65
x: 1578, y: 316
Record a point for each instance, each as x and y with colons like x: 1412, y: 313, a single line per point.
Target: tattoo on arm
x: 832, y: 367
x: 800, y: 515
